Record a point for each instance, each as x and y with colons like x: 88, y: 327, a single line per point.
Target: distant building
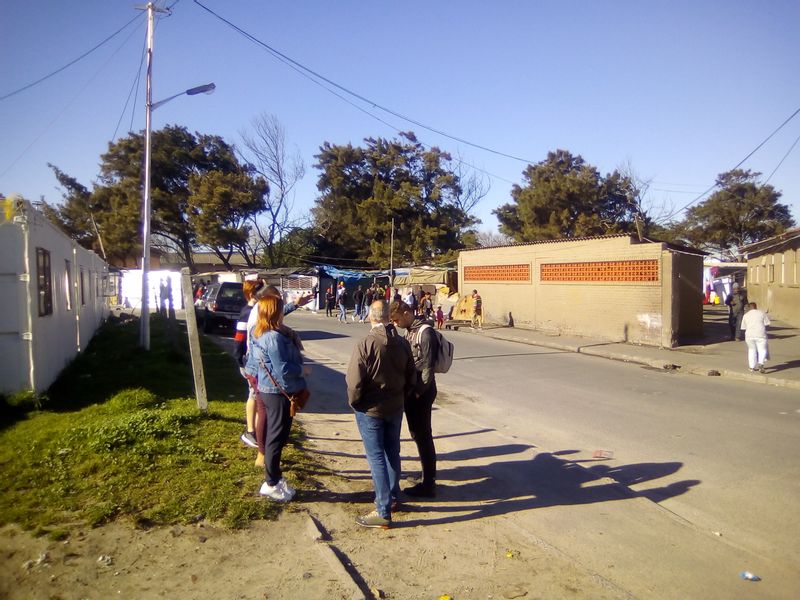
x: 773, y: 275
x: 609, y: 287
x: 53, y: 295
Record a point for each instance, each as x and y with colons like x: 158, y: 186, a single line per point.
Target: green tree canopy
x: 193, y: 178
x: 740, y: 212
x: 566, y: 197
x: 363, y: 188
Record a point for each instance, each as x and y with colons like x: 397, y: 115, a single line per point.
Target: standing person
x: 439, y: 317
x: 261, y: 290
x: 477, y: 310
x: 329, y: 302
x: 754, y: 324
x: 240, y: 353
x: 275, y: 361
x: 419, y: 406
x: 369, y: 297
x: 358, y: 298
x: 379, y: 378
x: 737, y: 304
x: 341, y: 299
x: 427, y: 306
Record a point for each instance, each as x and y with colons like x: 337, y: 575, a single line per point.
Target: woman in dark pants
x: 274, y: 359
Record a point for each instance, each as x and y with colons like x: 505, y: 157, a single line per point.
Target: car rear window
x: 231, y: 292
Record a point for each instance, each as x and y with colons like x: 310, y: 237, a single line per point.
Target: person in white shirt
x: 754, y: 325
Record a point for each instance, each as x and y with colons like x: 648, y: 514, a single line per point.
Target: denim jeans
x: 342, y: 313
x: 381, y: 438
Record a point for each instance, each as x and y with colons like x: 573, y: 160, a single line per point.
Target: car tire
x: 208, y: 323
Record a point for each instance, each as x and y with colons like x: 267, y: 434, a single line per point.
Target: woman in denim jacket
x: 275, y: 350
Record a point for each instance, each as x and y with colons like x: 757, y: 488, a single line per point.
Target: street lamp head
x: 201, y: 89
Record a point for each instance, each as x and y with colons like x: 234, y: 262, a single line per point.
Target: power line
x: 739, y: 164
x: 72, y: 62
x: 67, y: 106
x: 785, y: 156
x: 135, y: 84
x: 287, y: 60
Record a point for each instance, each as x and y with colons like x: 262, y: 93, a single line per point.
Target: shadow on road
x: 477, y: 480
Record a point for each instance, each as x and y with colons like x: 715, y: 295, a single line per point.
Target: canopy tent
x: 422, y: 276
x: 350, y: 276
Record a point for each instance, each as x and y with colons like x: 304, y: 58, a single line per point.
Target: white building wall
x: 40, y: 346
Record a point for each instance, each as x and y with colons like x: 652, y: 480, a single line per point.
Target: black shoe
x: 249, y: 438
x: 421, y: 490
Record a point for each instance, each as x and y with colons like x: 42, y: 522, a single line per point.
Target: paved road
x: 720, y: 454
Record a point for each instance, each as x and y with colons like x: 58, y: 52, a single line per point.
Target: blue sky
x: 681, y: 91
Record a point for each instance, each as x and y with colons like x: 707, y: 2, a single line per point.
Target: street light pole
x: 144, y: 330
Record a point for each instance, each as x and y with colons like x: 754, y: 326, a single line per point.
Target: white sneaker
x: 275, y: 492
x: 284, y: 485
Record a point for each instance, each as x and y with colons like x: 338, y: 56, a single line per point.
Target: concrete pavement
x: 715, y: 355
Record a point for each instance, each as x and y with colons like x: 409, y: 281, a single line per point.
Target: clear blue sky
x: 680, y: 90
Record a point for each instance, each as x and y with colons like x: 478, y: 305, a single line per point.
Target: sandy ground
x: 315, y: 550
x: 460, y: 545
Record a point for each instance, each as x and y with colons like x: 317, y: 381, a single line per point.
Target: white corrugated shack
x: 53, y: 294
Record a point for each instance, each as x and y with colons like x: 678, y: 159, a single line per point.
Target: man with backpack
x: 419, y: 406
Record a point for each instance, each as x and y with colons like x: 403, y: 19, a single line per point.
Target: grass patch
x: 119, y: 435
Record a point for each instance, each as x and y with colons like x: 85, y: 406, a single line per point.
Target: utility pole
x: 391, y: 257
x: 144, y: 331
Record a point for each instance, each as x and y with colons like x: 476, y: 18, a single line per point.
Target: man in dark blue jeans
x: 380, y: 376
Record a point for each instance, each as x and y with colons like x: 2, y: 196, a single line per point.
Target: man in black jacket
x: 379, y: 378
x: 419, y: 407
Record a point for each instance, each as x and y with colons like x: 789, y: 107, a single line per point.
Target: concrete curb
x: 332, y: 558
x: 657, y: 363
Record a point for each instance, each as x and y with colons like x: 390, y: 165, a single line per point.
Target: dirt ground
x: 315, y: 550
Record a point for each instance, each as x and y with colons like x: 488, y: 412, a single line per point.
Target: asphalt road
x: 717, y: 453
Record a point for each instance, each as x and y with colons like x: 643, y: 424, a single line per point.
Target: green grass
x: 119, y: 435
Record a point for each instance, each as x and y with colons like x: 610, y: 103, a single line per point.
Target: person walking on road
x: 419, y: 406
x: 754, y: 325
x: 341, y: 299
x: 737, y: 305
x: 379, y: 377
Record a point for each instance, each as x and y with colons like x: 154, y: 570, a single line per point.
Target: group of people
x: 363, y: 299
x: 389, y: 375
x: 750, y: 324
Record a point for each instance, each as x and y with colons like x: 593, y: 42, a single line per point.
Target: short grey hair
x: 379, y: 312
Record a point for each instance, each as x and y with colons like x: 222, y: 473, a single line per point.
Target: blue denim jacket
x: 278, y: 353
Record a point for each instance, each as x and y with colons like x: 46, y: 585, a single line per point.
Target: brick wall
x: 609, y: 287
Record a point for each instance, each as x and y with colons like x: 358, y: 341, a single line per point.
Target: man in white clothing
x: 754, y: 325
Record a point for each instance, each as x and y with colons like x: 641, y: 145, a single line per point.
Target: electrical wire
x: 72, y: 62
x: 291, y: 62
x: 785, y: 156
x: 739, y: 164
x: 67, y: 106
x: 135, y: 84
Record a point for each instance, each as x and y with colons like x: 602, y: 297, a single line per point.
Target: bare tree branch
x: 266, y: 151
